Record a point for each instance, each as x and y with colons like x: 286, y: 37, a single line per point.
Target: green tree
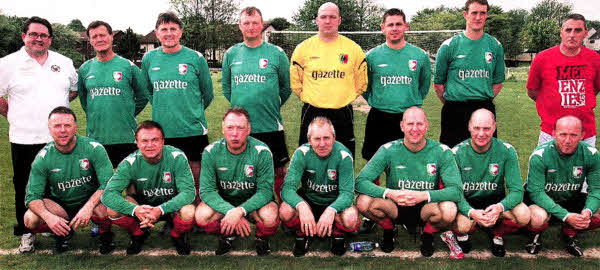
x: 129, y: 46
x: 10, y: 31
x: 369, y: 15
x: 513, y: 44
x: 594, y: 24
x: 204, y: 22
x: 541, y: 35
x: 305, y: 17
x: 280, y: 23
x: 65, y: 42
x: 76, y: 25
x: 550, y: 9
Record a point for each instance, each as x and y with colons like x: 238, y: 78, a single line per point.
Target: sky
x: 141, y: 15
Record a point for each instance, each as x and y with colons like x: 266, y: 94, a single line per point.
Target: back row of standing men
x: 468, y: 75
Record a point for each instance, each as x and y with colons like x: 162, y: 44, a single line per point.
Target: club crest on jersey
x: 344, y: 58
x: 55, y: 68
x: 263, y: 63
x: 183, y: 69
x: 332, y: 174
x: 84, y: 164
x: 488, y: 57
x: 249, y: 170
x: 577, y: 171
x: 412, y: 65
x: 431, y: 169
x: 117, y: 76
x: 494, y: 169
x: 167, y: 177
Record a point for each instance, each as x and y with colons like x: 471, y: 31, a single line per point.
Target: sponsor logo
x: 333, y: 74
x: 314, y: 57
x: 263, y: 63
x: 321, y: 188
x: 84, y: 164
x: 412, y: 65
x: 249, y: 78
x: 73, y: 183
x: 400, y: 167
x: 105, y: 91
x: 488, y: 57
x: 55, y: 68
x: 461, y: 56
x: 395, y: 80
x: 332, y: 174
x: 158, y: 192
x: 551, y: 170
x: 222, y: 169
x: 467, y: 168
x: 90, y: 77
x: 236, y: 185
x: 415, y: 185
x: 142, y: 179
x: 56, y: 170
x: 117, y: 76
x: 494, y: 169
x: 431, y: 169
x: 382, y: 65
x: 470, y: 186
x: 473, y: 73
x: 577, y: 171
x: 562, y: 187
x: 249, y: 170
x: 236, y: 63
x: 344, y: 58
x: 183, y: 68
x: 169, y: 84
x: 167, y: 177
x: 156, y: 68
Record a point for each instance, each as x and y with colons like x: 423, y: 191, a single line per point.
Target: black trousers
x: 455, y: 120
x: 22, y: 157
x: 342, y: 120
x: 381, y: 128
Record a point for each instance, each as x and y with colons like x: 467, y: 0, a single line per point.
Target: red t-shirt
x: 565, y: 86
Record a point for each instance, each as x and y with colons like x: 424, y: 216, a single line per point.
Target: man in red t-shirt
x: 564, y: 80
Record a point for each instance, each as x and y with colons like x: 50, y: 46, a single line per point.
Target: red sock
x: 507, y: 226
x: 340, y: 230
x: 180, y: 226
x: 429, y: 229
x: 42, y: 228
x: 104, y: 223
x: 568, y: 230
x: 538, y: 230
x: 386, y: 224
x: 262, y: 230
x: 129, y: 224
x: 377, y: 181
x: 278, y: 185
x: 212, y: 227
x: 294, y: 224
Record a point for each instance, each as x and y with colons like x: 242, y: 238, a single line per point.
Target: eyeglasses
x: 35, y: 35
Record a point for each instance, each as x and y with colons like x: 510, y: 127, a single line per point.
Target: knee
x: 538, y: 216
x: 286, y: 213
x: 363, y: 203
x: 269, y: 214
x: 203, y: 214
x: 464, y: 224
x: 113, y: 214
x: 448, y: 212
x: 31, y: 220
x: 187, y: 212
x: 350, y: 217
x: 100, y: 211
x: 521, y: 214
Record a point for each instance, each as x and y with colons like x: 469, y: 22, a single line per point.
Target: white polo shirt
x: 33, y: 91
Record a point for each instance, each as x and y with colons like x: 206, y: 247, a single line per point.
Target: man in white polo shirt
x: 36, y: 81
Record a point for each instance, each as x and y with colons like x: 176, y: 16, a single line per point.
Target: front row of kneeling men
x: 428, y: 186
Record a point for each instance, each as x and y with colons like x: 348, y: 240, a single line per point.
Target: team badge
x: 412, y: 65
x: 488, y: 57
x: 167, y: 177
x: 344, y: 58
x: 577, y: 171
x: 431, y: 169
x: 117, y: 76
x: 332, y: 174
x: 494, y: 169
x: 55, y: 68
x: 263, y: 63
x: 249, y: 170
x: 84, y: 164
x: 183, y: 69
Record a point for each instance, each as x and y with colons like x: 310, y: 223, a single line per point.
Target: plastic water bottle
x: 362, y: 246
x: 95, y: 229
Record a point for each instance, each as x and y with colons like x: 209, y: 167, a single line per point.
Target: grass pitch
x: 518, y: 125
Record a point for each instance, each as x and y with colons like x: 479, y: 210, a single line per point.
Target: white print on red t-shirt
x: 571, y: 85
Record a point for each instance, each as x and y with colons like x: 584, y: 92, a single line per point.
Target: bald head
x: 568, y: 121
x: 414, y: 125
x: 568, y: 132
x: 328, y: 6
x: 482, y: 126
x: 414, y: 113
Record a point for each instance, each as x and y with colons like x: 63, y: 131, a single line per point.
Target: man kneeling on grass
x: 163, y: 189
x: 558, y: 171
x: 66, y: 182
x: 236, y: 186
x: 488, y: 167
x: 414, y: 194
x: 325, y: 169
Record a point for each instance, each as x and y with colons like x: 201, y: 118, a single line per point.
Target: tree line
x: 210, y: 26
